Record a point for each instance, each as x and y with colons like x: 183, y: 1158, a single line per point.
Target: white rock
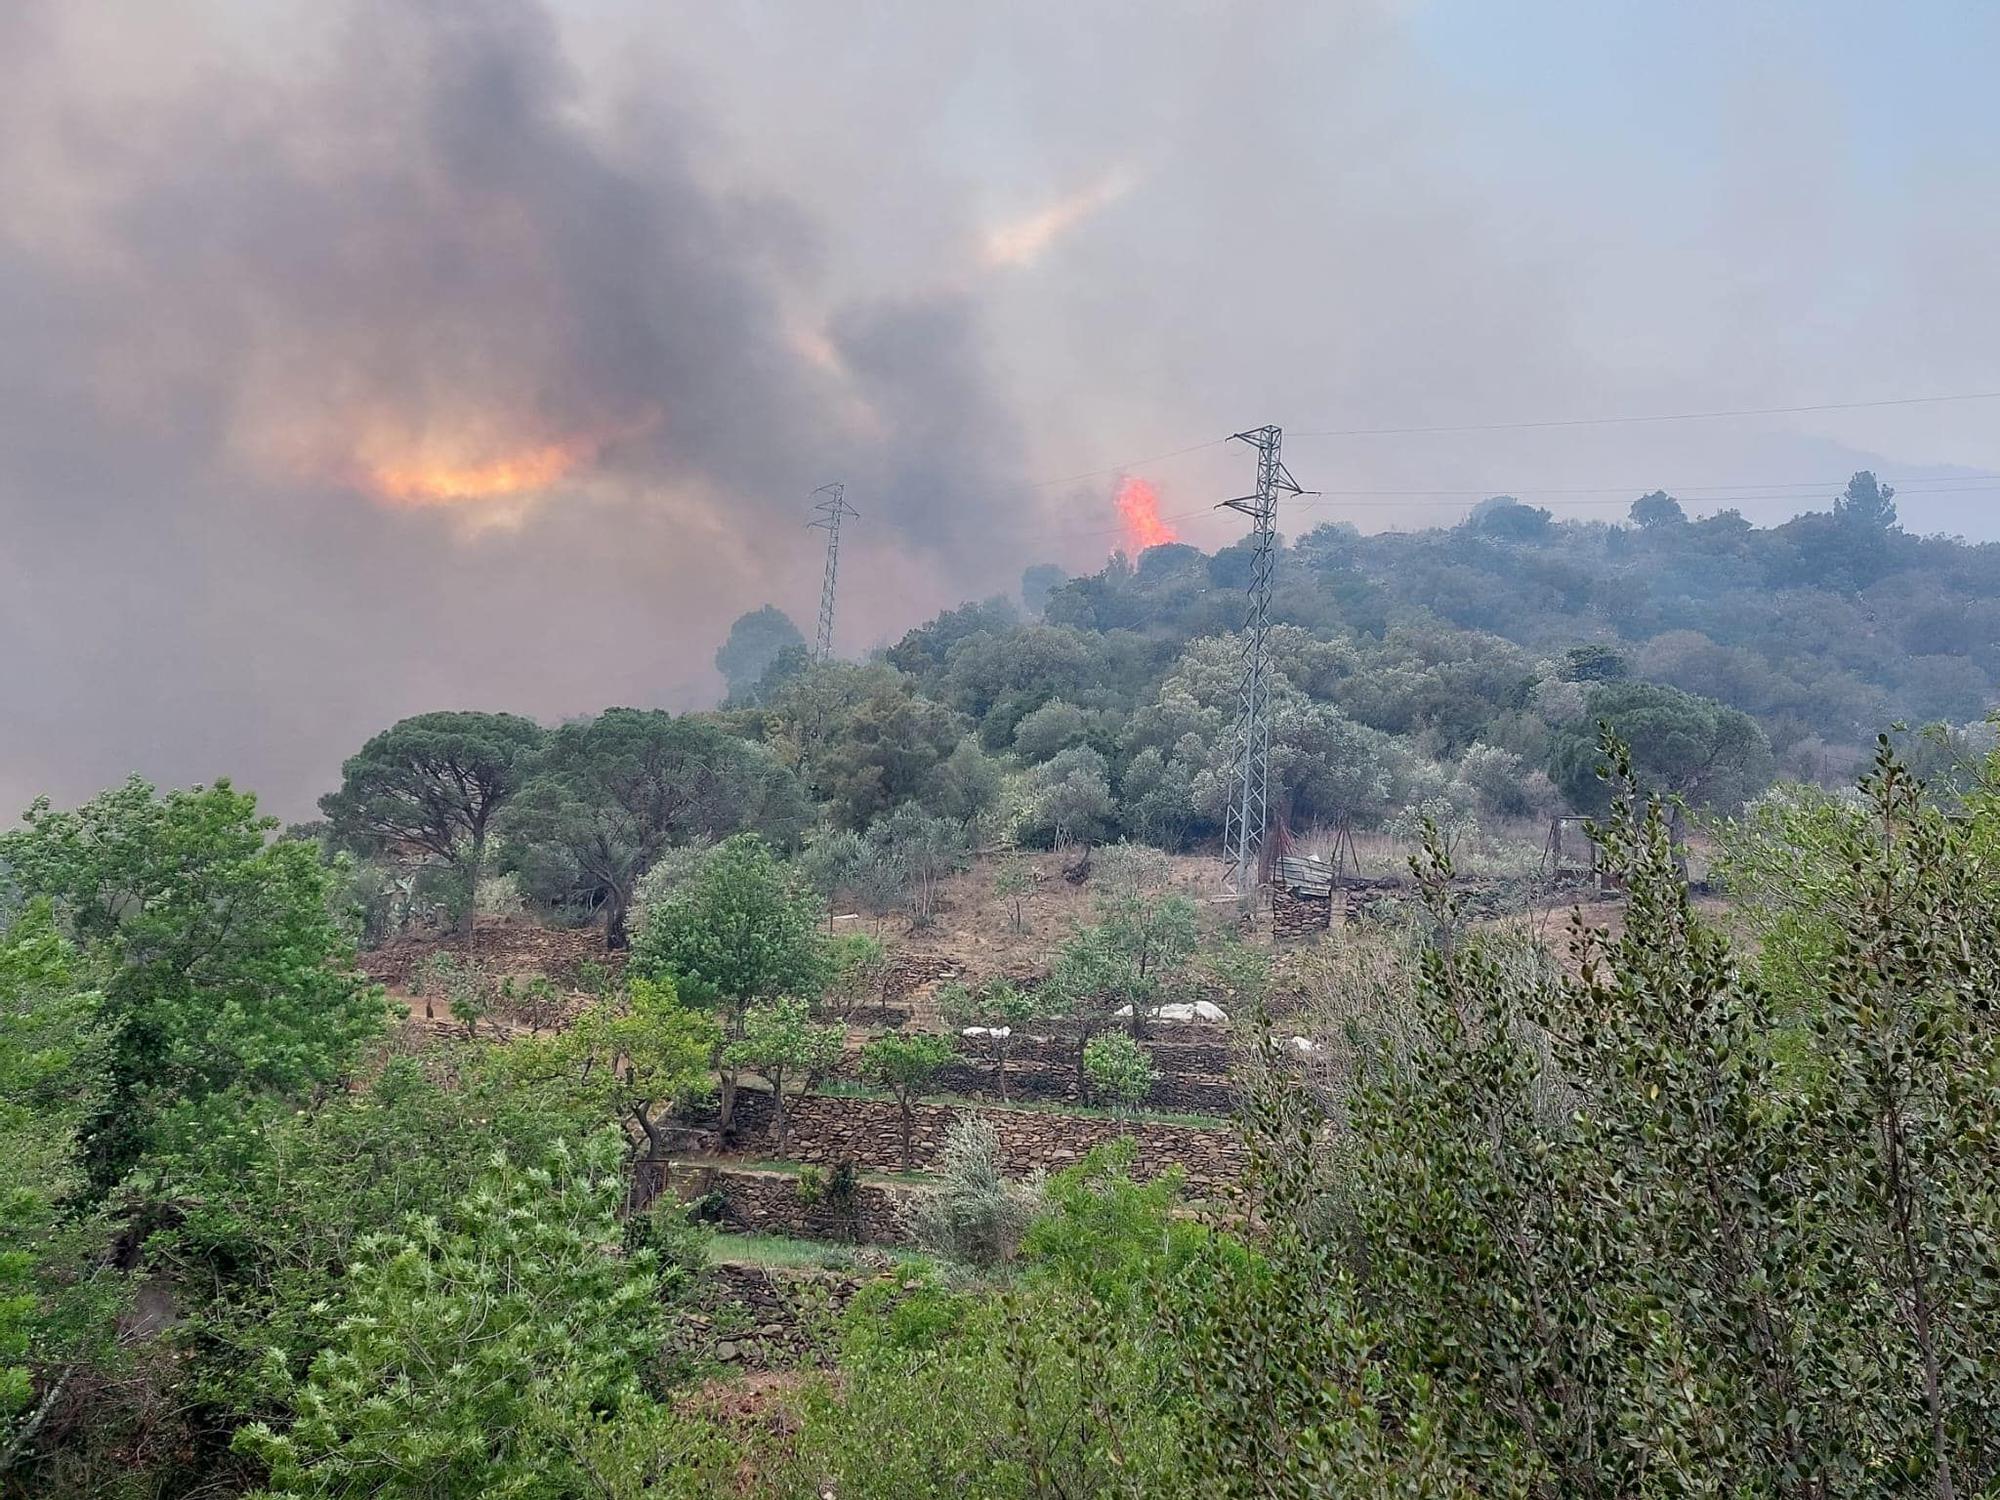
x: 1304, y: 1044
x: 999, y: 1032
x: 1200, y: 1010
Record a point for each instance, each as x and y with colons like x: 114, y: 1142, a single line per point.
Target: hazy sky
x: 359, y: 359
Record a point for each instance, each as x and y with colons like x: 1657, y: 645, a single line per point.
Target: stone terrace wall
x: 1052, y: 1083
x: 758, y: 1318
x: 769, y: 1203
x: 1178, y: 1048
x: 826, y: 1128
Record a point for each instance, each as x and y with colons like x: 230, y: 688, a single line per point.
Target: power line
x: 1671, y: 416
x: 1124, y: 468
x: 1617, y: 495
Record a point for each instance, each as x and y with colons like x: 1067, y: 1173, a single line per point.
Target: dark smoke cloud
x: 277, y: 280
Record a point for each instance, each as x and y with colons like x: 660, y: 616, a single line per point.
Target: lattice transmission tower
x: 1249, y: 810
x: 832, y: 506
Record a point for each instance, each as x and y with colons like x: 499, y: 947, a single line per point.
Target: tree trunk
x: 616, y: 939
x: 726, y: 1110
x: 1082, y: 1075
x: 778, y: 1114
x: 472, y: 869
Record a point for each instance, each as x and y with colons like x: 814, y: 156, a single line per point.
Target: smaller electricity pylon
x: 832, y: 507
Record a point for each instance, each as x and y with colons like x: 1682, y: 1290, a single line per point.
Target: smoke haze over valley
x: 366, y: 359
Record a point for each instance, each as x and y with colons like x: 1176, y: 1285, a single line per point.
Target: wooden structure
x: 1301, y: 897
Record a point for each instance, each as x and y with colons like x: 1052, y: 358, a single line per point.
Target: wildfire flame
x: 426, y: 482
x: 1138, y: 505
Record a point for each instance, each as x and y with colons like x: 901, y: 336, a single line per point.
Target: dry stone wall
x: 1191, y: 1048
x: 825, y: 1129
x: 772, y: 1203
x: 758, y: 1318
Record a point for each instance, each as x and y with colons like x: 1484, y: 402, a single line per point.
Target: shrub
x: 1121, y: 1072
x: 976, y: 1216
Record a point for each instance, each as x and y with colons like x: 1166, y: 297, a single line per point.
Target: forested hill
x: 1449, y: 663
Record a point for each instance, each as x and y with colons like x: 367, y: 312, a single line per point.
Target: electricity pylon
x: 1249, y: 809
x: 832, y: 506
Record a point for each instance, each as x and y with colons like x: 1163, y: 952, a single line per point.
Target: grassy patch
x: 1086, y: 1111
x: 841, y: 1088
x: 777, y: 1250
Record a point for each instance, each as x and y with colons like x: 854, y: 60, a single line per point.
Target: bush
x: 976, y: 1216
x: 1120, y: 1071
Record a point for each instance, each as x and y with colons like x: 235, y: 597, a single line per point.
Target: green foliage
x: 858, y: 969
x: 744, y: 928
x: 1123, y: 964
x: 478, y: 1352
x: 1595, y: 663
x: 756, y: 641
x: 907, y: 1065
x: 262, y: 1242
x: 226, y: 981
x: 781, y: 1041
x: 975, y: 1216
x: 1657, y: 509
x: 633, y: 1057
x: 1694, y: 749
x: 918, y: 851
x: 999, y: 1009
x: 1049, y: 730
x: 1613, y: 1244
x: 610, y: 795
x: 1013, y: 880
x: 863, y: 737
x: 1101, y: 1231
x: 429, y: 788
x: 1120, y: 1071
x: 52, y: 1082
x: 1069, y: 800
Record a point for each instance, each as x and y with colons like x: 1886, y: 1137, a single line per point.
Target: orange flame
x: 1139, y: 508
x: 450, y: 483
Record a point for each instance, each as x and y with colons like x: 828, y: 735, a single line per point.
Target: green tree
x: 55, y: 1308
x: 907, y: 1065
x: 781, y: 1041
x: 863, y: 737
x: 756, y: 641
x: 227, y: 983
x: 1656, y: 510
x: 859, y: 969
x: 1038, y: 581
x: 472, y: 1349
x: 637, y: 1056
x: 1694, y: 749
x: 1595, y: 662
x: 999, y: 1010
x: 1119, y: 1070
x: 1049, y: 730
x: 1120, y: 967
x: 428, y: 789
x: 1866, y: 504
x: 609, y: 795
x: 922, y: 851
x: 743, y: 930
